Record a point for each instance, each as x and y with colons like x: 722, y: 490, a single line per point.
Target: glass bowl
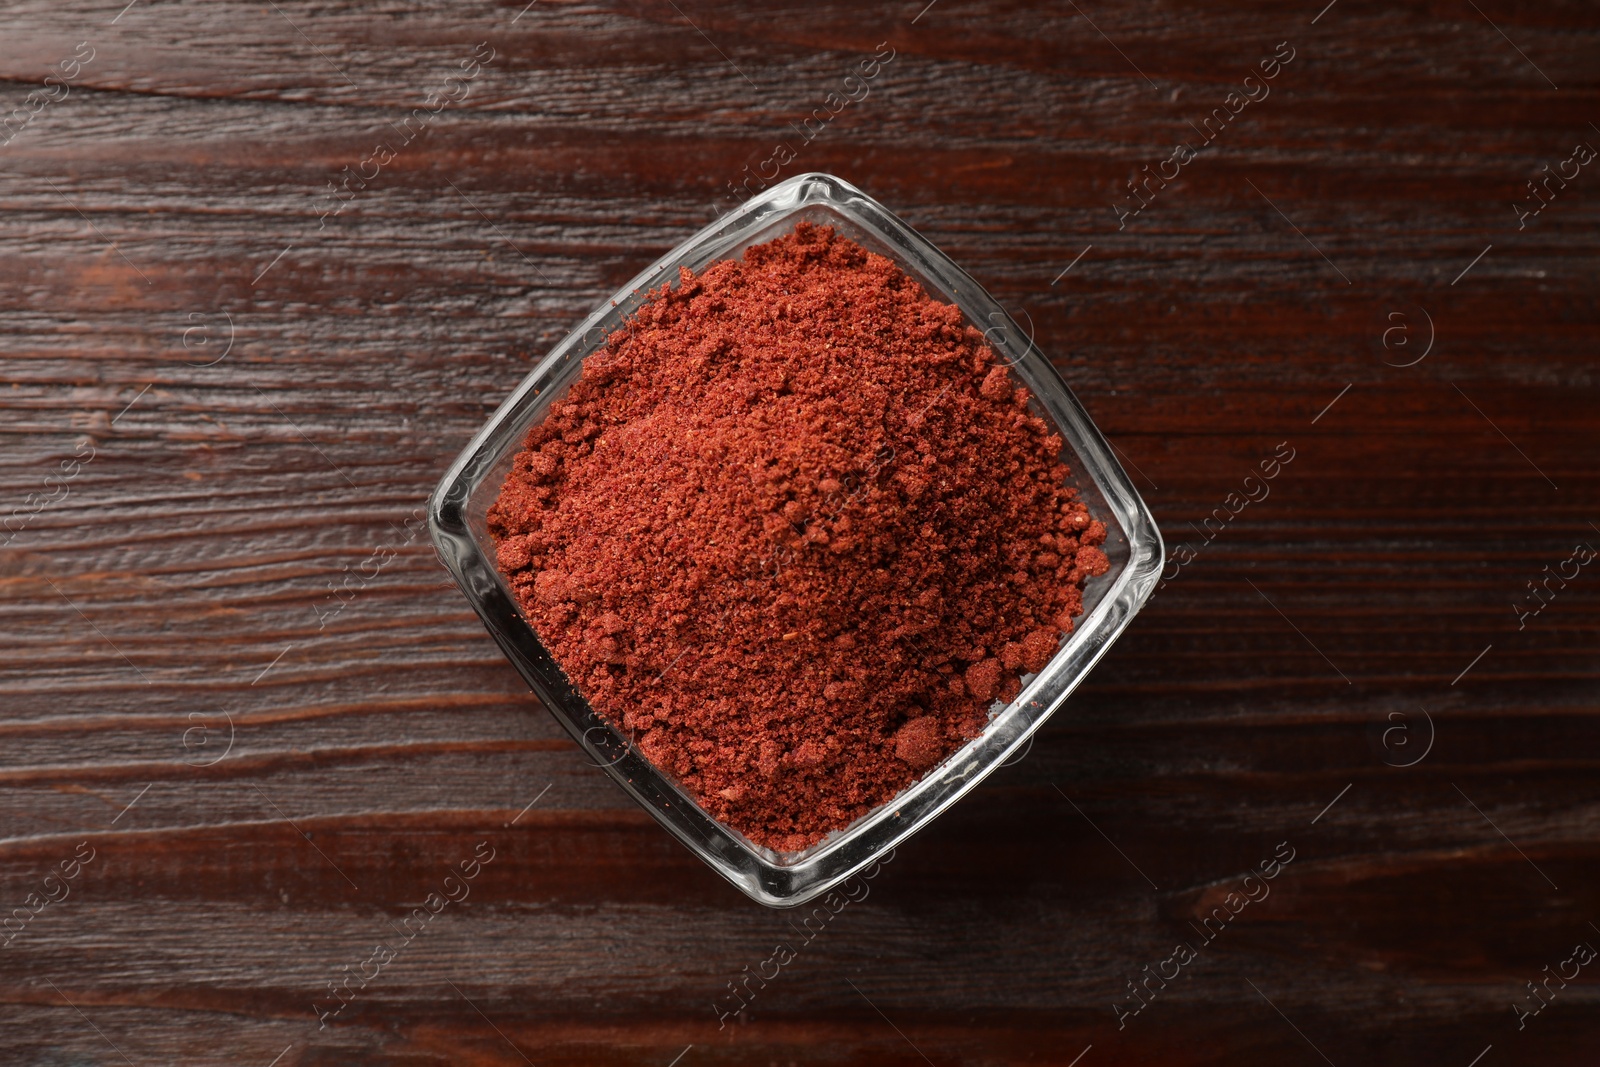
x: 457, y: 518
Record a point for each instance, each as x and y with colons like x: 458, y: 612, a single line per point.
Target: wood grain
x: 174, y: 592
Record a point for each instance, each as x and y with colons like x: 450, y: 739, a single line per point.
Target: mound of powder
x: 794, y: 531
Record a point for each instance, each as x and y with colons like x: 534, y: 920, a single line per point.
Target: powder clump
x: 794, y: 530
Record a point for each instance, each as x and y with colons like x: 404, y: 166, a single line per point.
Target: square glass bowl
x: 457, y: 517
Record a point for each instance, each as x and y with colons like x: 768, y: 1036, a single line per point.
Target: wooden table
x: 243, y: 709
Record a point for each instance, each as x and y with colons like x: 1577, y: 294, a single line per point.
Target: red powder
x: 794, y: 531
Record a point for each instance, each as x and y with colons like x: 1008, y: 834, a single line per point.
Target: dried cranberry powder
x: 794, y: 531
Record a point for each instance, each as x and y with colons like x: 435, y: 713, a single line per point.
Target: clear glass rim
x: 774, y: 879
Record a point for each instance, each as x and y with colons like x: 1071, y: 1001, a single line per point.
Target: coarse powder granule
x: 793, y: 531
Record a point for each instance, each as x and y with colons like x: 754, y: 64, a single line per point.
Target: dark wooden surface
x: 180, y: 581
